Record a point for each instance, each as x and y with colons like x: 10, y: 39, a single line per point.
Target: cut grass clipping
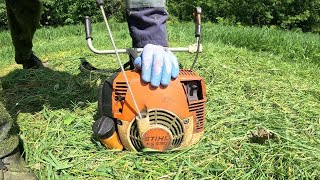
x: 263, y: 109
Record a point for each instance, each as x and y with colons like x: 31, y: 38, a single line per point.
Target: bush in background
x: 62, y: 12
x: 287, y: 14
x: 3, y: 15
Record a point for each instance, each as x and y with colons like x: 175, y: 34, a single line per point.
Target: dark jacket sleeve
x: 147, y: 25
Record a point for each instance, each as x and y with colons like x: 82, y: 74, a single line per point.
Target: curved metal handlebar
x: 191, y: 48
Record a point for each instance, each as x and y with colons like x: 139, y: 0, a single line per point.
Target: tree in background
x: 287, y: 14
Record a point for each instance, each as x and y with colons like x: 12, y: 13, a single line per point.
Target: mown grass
x: 256, y: 78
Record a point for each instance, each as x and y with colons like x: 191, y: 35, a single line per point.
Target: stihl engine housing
x: 174, y: 116
x: 136, y: 116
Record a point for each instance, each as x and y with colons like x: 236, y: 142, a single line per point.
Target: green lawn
x: 256, y: 78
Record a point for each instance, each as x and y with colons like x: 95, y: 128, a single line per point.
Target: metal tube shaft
x: 123, y: 51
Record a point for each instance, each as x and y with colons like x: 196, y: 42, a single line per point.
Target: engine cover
x: 174, y: 116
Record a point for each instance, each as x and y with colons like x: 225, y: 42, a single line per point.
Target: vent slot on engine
x: 187, y: 72
x: 198, y: 107
x: 120, y: 91
x: 163, y: 118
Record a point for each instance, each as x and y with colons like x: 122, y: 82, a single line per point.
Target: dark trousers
x: 23, y: 17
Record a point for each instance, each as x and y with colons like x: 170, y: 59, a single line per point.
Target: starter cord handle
x: 88, y: 28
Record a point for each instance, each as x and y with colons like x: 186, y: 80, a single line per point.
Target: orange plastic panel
x: 171, y: 98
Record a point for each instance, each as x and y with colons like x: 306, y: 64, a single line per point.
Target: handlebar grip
x: 100, y: 2
x: 88, y: 27
x: 197, y: 14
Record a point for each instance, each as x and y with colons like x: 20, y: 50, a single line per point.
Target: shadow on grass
x: 29, y: 90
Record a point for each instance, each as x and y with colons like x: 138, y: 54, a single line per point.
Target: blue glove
x: 157, y: 65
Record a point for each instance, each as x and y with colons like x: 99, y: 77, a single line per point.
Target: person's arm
x: 147, y: 26
x: 147, y: 22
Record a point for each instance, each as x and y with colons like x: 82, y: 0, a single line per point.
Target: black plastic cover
x: 105, y: 97
x: 193, y: 90
x: 104, y: 127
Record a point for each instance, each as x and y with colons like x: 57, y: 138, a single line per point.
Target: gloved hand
x: 157, y: 65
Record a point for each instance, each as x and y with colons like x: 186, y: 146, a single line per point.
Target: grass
x: 256, y: 78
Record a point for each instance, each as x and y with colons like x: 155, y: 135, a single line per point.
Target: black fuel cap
x: 104, y: 127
